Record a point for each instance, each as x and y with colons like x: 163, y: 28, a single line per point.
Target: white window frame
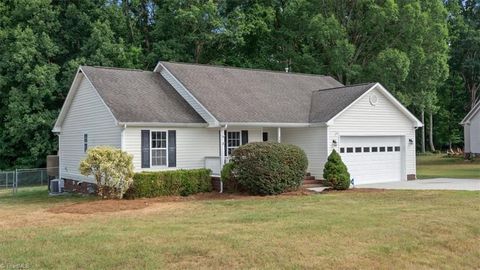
x: 85, y: 143
x: 151, y: 149
x: 233, y: 147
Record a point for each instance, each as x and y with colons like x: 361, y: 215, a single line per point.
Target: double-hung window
x: 234, y: 140
x: 159, y: 148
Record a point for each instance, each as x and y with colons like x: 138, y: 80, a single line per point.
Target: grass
x: 435, y: 166
x: 345, y: 230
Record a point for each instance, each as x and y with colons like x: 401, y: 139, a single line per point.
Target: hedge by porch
x: 268, y: 168
x: 165, y: 183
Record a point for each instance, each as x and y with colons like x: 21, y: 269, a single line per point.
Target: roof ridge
x: 117, y: 68
x: 249, y: 69
x: 345, y: 86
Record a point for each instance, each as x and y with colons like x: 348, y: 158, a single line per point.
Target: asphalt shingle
x: 247, y: 95
x: 140, y: 96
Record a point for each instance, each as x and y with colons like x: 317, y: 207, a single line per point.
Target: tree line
x: 426, y: 52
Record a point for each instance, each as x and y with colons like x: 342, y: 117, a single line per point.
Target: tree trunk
x: 430, y: 132
x: 423, y: 131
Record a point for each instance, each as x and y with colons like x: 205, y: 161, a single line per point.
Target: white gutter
x: 163, y: 124
x: 266, y: 124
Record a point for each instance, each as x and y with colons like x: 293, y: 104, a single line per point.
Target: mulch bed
x: 100, y: 206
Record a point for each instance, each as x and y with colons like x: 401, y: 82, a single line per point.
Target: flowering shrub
x: 112, y: 169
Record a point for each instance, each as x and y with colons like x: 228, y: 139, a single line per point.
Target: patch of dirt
x: 123, y: 205
x: 101, y: 206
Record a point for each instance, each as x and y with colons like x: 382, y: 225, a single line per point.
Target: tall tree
x: 28, y: 84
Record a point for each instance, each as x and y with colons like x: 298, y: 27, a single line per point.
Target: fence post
x: 15, y: 186
x: 41, y: 177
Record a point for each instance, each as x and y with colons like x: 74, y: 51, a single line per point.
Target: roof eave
x: 187, y: 95
x: 266, y: 124
x: 162, y: 124
x: 470, y: 114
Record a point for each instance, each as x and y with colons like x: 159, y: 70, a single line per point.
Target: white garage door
x: 372, y: 159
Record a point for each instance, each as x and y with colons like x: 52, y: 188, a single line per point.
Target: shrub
x: 265, y: 168
x: 112, y: 169
x: 230, y: 183
x: 336, y: 173
x: 227, y: 172
x: 165, y: 183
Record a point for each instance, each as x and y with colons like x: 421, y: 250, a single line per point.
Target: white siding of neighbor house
x: 466, y: 139
x: 313, y: 141
x: 87, y: 114
x: 193, y: 145
x: 472, y: 135
x: 383, y: 119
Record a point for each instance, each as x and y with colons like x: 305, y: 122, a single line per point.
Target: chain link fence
x: 17, y: 179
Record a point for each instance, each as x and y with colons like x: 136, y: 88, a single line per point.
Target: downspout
x: 222, y: 154
x: 122, y: 137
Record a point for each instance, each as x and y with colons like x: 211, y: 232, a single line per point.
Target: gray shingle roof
x: 140, y: 96
x: 329, y: 102
x: 230, y: 94
x: 246, y: 95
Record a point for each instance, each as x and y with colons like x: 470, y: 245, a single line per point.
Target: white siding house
x: 380, y: 124
x: 184, y: 116
x: 471, y: 127
x: 87, y: 123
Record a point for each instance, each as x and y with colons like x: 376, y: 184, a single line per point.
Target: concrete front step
x: 311, y: 185
x: 317, y: 189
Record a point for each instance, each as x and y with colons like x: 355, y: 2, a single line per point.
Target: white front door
x: 372, y: 159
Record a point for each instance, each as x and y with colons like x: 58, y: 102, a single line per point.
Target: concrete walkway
x: 426, y: 184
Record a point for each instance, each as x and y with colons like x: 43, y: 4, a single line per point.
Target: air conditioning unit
x: 56, y: 186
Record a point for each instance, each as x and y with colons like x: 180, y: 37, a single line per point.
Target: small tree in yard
x: 336, y: 173
x: 112, y: 169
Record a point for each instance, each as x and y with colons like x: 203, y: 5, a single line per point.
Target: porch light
x: 410, y: 141
x: 334, y: 142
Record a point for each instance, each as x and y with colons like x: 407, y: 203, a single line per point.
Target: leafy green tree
x: 28, y: 84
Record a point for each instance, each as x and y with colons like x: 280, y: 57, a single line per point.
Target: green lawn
x: 434, y: 166
x: 345, y: 230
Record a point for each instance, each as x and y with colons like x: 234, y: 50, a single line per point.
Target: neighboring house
x: 471, y: 131
x: 183, y: 116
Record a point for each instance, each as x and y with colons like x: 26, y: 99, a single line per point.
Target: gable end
x: 79, y: 77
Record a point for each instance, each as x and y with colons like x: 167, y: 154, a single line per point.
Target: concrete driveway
x: 432, y: 184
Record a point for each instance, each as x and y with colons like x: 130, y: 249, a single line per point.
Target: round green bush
x: 336, y: 173
x: 267, y: 168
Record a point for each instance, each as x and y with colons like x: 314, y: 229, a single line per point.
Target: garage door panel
x: 372, y: 166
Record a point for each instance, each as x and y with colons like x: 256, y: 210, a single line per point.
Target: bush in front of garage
x: 267, y: 168
x: 336, y: 173
x: 168, y: 183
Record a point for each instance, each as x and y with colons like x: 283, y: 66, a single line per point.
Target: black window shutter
x: 226, y: 143
x: 145, y: 144
x: 244, y: 137
x: 172, y: 148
